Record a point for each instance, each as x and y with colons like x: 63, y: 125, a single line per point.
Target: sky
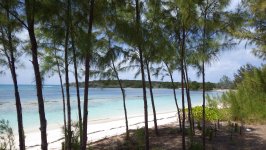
x: 228, y: 63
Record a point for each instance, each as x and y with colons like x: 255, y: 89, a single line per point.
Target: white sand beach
x: 97, y: 130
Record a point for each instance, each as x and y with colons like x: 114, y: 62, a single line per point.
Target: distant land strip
x: 194, y: 85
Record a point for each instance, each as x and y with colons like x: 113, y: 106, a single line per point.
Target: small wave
x: 51, y: 101
x: 48, y: 86
x: 3, y: 103
x: 32, y: 103
x: 100, y: 119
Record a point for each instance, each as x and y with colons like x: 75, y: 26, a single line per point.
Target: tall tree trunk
x: 86, y: 83
x: 63, y: 97
x: 17, y: 96
x: 19, y: 109
x: 182, y: 83
x: 189, y: 107
x: 189, y: 100
x: 30, y: 9
x: 187, y: 94
x: 152, y: 99
x: 77, y: 82
x: 124, y: 97
x: 147, y: 147
x: 178, y: 110
x: 203, y: 81
x: 203, y: 106
x: 69, y: 132
x: 12, y: 67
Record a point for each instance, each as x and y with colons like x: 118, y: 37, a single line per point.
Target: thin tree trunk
x: 189, y: 98
x: 63, y: 97
x: 178, y: 110
x: 12, y: 68
x: 86, y: 83
x: 203, y: 82
x: 147, y: 147
x: 189, y: 107
x: 69, y: 132
x: 124, y: 97
x: 203, y: 106
x: 30, y: 10
x: 145, y: 102
x: 182, y: 83
x: 152, y: 100
x: 77, y: 83
x: 18, y: 102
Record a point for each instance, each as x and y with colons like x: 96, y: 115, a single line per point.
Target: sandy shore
x: 97, y: 129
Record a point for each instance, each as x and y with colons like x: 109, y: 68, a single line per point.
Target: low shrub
x: 7, y: 139
x: 211, y: 114
x: 139, y: 137
x: 196, y: 146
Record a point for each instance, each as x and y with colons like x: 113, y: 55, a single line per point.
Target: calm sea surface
x: 104, y: 103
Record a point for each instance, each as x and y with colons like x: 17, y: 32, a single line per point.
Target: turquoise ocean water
x: 104, y: 103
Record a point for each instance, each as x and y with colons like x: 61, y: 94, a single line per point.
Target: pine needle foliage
x: 247, y: 103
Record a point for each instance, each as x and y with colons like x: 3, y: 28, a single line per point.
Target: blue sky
x: 228, y: 63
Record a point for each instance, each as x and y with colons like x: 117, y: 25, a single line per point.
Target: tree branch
x: 22, y: 22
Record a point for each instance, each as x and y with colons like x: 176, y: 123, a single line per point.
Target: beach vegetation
x: 239, y: 75
x: 100, y: 39
x: 139, y: 136
x: 75, y: 136
x: 196, y: 146
x: 225, y: 83
x: 7, y: 138
x: 246, y: 103
x: 211, y: 114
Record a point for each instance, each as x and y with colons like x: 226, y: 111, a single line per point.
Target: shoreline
x: 97, y: 130
x: 54, y: 126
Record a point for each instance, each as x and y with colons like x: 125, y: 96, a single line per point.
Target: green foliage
x: 211, y: 114
x: 249, y: 24
x: 7, y: 139
x: 225, y: 83
x: 239, y: 75
x: 253, y: 28
x: 164, y: 27
x: 196, y: 146
x: 75, y: 140
x: 75, y: 136
x: 215, y: 104
x: 198, y: 126
x: 211, y: 103
x: 139, y: 136
x: 225, y: 114
x: 247, y: 103
x: 209, y: 86
x: 209, y: 133
x: 194, y: 85
x: 9, y: 41
x: 136, y: 142
x: 138, y: 84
